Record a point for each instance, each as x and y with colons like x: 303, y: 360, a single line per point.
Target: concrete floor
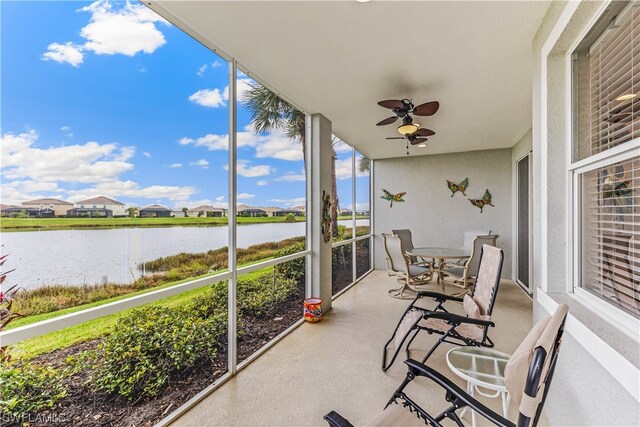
x: 335, y: 364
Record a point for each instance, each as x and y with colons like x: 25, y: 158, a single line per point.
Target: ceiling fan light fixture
x: 626, y: 96
x: 422, y: 145
x: 408, y: 129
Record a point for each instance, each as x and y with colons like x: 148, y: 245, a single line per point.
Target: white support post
x: 232, y: 219
x: 319, y: 171
x: 353, y: 214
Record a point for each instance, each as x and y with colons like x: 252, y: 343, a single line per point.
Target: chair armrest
x: 418, y: 368
x: 456, y: 318
x: 336, y: 420
x: 438, y: 296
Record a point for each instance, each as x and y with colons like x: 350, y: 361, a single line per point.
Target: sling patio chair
x: 407, y: 245
x: 399, y: 264
x: 471, y: 329
x: 527, y: 377
x: 463, y: 275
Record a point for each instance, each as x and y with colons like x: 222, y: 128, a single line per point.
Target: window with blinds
x: 606, y: 113
x: 607, y: 82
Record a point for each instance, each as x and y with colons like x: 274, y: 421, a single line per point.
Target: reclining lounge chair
x: 455, y: 329
x: 528, y: 376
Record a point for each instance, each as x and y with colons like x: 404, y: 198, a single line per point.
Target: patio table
x: 439, y: 254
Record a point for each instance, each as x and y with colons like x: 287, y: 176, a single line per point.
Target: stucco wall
x: 597, y: 378
x: 434, y: 217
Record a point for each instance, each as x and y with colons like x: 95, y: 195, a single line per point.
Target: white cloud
x: 341, y: 147
x: 216, y: 64
x: 81, y: 163
x: 66, y: 130
x: 262, y: 183
x: 146, y: 154
x: 127, y: 31
x: 212, y: 98
x: 67, y: 52
x: 296, y: 201
x: 132, y: 189
x: 244, y: 169
x: 202, y: 162
x: 291, y: 177
x: 201, y: 70
x: 175, y: 165
x: 275, y: 145
x: 242, y: 196
x: 343, y: 169
x: 141, y: 69
x: 220, y: 199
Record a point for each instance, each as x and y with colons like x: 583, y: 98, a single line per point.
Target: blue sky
x: 109, y: 99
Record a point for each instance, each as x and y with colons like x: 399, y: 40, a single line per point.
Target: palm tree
x: 269, y: 112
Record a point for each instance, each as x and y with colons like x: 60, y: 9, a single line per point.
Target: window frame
x: 575, y: 169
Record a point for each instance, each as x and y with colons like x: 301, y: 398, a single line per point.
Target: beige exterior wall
x: 597, y: 380
x: 434, y: 217
x: 59, y: 209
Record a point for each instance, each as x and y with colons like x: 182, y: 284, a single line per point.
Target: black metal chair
x: 528, y: 376
x: 471, y: 329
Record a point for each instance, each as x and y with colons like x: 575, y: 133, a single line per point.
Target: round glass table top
x: 439, y: 253
x: 480, y: 366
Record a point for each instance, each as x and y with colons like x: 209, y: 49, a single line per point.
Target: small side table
x: 481, y: 368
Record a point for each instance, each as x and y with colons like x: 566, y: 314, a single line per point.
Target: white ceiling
x: 340, y: 58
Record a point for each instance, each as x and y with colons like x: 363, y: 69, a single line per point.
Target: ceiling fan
x: 403, y: 110
x: 409, y: 130
x: 418, y: 138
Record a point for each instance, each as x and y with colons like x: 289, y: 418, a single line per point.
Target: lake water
x: 76, y: 257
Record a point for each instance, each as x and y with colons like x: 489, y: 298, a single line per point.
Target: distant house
x: 206, y: 210
x: 346, y: 213
x: 17, y: 211
x: 101, y: 202
x: 59, y: 207
x: 252, y: 212
x: 179, y: 214
x: 285, y: 212
x: 272, y: 211
x: 89, y: 213
x: 155, y: 211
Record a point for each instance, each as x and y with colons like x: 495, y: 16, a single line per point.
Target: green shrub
x: 211, y: 303
x: 26, y: 387
x: 150, y: 345
x: 290, y: 218
x: 294, y: 269
x: 259, y: 297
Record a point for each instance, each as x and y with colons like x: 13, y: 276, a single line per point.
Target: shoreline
x: 52, y: 224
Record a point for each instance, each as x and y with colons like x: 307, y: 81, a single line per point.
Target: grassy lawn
x: 8, y: 224
x: 97, y: 327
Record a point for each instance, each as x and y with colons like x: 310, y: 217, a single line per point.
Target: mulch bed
x: 85, y: 407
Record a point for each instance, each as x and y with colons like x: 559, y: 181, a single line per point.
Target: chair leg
x: 440, y: 341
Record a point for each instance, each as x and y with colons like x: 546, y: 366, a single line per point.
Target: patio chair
x: 407, y: 244
x: 463, y: 275
x: 528, y: 376
x: 399, y: 264
x: 471, y: 329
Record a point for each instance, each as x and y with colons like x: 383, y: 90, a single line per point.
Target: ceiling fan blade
x: 391, y: 103
x: 426, y: 109
x: 387, y: 121
x: 396, y: 137
x: 418, y: 141
x: 424, y: 132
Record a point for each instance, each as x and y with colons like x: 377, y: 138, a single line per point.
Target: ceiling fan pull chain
x: 407, y: 147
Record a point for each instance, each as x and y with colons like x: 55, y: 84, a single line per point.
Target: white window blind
x: 614, y: 82
x: 611, y: 233
x: 606, y: 110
